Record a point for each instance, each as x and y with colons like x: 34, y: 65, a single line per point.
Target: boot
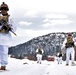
x: 3, y: 68
x: 67, y: 64
x: 73, y: 64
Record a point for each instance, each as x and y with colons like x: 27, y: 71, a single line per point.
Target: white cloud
x: 46, y: 25
x: 31, y: 13
x: 60, y: 22
x: 24, y: 23
x: 56, y: 20
x: 56, y: 16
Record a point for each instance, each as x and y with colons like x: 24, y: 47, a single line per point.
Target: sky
x: 16, y: 67
x: 35, y: 18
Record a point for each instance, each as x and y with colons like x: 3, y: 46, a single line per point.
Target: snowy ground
x: 16, y: 67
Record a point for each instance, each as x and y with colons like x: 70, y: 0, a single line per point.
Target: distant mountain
x: 51, y: 44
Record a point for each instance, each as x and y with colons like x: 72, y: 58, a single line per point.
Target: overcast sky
x: 39, y: 17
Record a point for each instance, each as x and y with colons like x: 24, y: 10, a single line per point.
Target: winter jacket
x: 6, y: 39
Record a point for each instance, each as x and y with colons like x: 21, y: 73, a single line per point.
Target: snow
x: 16, y: 67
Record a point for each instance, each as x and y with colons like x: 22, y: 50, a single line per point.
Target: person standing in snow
x: 6, y: 27
x: 69, y: 45
x: 39, y: 53
x: 59, y: 55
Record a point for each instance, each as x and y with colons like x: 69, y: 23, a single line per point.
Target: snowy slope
x: 16, y: 67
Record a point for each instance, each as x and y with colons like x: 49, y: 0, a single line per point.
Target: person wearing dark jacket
x: 39, y: 53
x: 59, y: 55
x: 69, y: 45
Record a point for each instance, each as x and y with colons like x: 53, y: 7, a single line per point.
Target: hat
x: 69, y: 34
x: 4, y: 7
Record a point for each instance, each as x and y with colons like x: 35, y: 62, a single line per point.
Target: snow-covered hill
x: 51, y: 44
x: 16, y: 67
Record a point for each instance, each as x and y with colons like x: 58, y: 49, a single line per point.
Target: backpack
x: 39, y: 51
x: 69, y: 43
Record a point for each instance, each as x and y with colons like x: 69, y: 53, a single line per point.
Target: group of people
x: 69, y: 46
x: 7, y: 25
